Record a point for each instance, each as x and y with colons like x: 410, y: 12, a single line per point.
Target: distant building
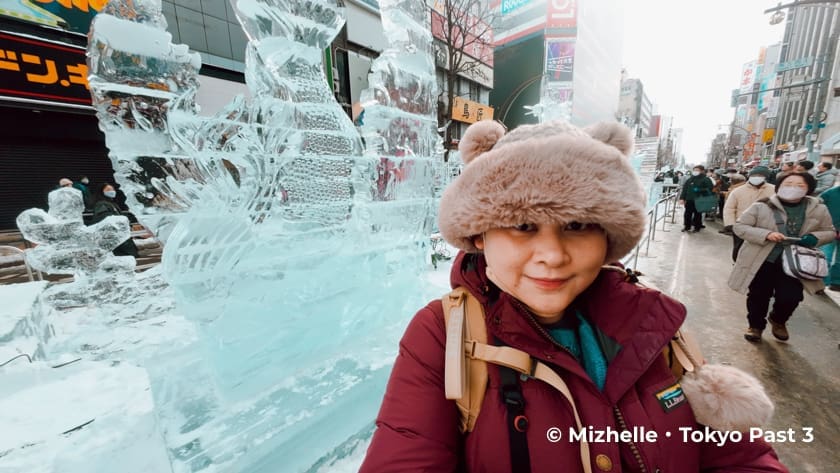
x: 634, y: 107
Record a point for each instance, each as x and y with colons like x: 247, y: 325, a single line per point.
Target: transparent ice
x: 66, y: 246
x: 292, y: 239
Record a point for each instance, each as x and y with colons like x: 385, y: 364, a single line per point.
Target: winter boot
x: 753, y: 335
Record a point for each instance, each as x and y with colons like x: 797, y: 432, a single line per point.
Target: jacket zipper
x: 540, y: 328
x: 619, y: 416
x: 633, y: 448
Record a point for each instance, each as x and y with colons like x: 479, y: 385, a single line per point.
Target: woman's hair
x: 810, y: 180
x: 100, y: 191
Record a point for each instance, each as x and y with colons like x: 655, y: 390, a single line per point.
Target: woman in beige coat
x: 758, y: 271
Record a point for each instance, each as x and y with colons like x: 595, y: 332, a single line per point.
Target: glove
x: 808, y: 240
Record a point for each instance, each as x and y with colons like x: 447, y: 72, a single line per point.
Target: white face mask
x: 695, y: 173
x: 792, y: 194
x: 110, y: 194
x: 757, y: 180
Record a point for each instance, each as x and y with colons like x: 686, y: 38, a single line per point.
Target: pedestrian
x: 105, y: 207
x: 831, y: 199
x: 758, y: 271
x: 805, y: 166
x: 678, y: 178
x: 696, y: 186
x: 534, y: 233
x: 739, y: 201
x: 82, y: 184
x: 825, y: 177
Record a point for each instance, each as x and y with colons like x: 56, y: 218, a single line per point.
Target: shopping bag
x: 706, y: 203
x: 804, y: 263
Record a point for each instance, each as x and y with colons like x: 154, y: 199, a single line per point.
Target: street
x: 801, y: 375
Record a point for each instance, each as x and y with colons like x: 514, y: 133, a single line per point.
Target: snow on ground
x: 17, y: 304
x: 82, y: 417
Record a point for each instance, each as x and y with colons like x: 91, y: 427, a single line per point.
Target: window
x: 836, y: 92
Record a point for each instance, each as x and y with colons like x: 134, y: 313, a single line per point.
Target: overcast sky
x: 689, y: 57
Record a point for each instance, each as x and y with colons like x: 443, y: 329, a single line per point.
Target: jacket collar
x: 640, y: 321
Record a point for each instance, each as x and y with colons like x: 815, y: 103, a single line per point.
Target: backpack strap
x: 517, y: 422
x: 465, y: 380
x: 457, y: 305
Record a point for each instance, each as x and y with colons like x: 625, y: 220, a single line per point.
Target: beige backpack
x: 467, y: 355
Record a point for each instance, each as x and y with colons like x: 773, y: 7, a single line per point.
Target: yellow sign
x: 768, y: 135
x: 467, y: 111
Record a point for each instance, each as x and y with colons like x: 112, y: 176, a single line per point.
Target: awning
x: 831, y: 145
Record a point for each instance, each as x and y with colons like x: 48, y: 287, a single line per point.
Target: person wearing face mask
x: 534, y: 235
x: 758, y: 271
x: 696, y: 185
x: 106, y: 206
x: 741, y: 198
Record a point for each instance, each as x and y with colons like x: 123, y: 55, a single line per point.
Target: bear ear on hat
x: 613, y: 134
x: 479, y: 138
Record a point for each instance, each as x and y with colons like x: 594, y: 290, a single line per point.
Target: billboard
x: 71, y: 15
x: 34, y: 69
x: 559, y: 60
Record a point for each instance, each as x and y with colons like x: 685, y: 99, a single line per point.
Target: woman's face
x: 107, y: 188
x: 544, y: 266
x: 791, y: 183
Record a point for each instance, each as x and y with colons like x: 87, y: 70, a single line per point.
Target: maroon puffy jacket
x: 417, y: 427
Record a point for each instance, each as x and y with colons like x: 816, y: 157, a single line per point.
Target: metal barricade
x: 659, y: 212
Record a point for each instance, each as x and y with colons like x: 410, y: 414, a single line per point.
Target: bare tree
x: 466, y: 27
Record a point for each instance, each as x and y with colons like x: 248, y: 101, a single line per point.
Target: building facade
x: 567, y: 52
x: 634, y: 107
x: 806, y: 56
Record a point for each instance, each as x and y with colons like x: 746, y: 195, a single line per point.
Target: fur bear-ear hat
x: 553, y: 172
x: 558, y: 173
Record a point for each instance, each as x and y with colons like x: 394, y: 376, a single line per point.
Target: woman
x: 537, y: 213
x: 105, y: 207
x: 758, y: 272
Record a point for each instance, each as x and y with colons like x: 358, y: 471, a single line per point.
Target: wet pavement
x: 802, y: 375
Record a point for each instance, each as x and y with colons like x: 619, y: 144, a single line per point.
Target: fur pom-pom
x: 479, y: 138
x: 613, y: 134
x: 726, y: 398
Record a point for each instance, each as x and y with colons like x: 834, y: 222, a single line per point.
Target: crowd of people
x: 766, y: 209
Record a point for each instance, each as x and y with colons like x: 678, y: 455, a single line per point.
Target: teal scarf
x: 579, y: 338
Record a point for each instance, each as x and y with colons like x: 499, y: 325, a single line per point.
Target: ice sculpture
x: 556, y: 100
x: 294, y: 250
x: 67, y: 246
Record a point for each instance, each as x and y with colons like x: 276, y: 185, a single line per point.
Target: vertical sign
x: 560, y: 60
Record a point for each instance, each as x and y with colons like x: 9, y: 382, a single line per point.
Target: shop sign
x: 44, y: 71
x: 795, y: 64
x: 467, y: 111
x: 768, y: 135
x: 511, y: 5
x: 562, y: 14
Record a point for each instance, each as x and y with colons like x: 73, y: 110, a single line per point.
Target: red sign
x: 562, y: 14
x: 44, y: 71
x: 477, y: 48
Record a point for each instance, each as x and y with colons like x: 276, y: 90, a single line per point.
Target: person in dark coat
x: 534, y: 235
x: 696, y: 185
x: 105, y: 207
